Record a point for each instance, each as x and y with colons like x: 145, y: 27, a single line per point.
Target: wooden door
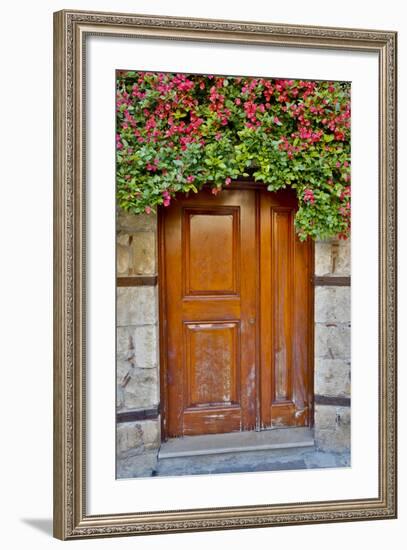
x: 234, y: 299
x: 210, y: 273
x: 286, y: 315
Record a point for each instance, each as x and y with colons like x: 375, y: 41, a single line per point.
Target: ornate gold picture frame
x: 71, y: 518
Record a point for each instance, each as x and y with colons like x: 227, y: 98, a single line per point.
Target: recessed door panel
x: 212, y: 364
x: 206, y: 233
x: 282, y: 289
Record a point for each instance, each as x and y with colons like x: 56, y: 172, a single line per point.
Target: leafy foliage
x: 178, y: 132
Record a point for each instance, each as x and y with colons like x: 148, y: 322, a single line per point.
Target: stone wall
x: 332, y: 347
x: 138, y: 393
x: 138, y: 388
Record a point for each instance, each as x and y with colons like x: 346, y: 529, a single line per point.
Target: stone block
x: 332, y: 377
x: 137, y: 346
x: 143, y: 247
x: 123, y: 260
x: 136, y: 305
x: 332, y: 428
x: 138, y: 389
x: 142, y: 465
x: 123, y: 239
x: 332, y: 340
x: 151, y: 433
x: 332, y: 304
x: 332, y: 257
x: 129, y: 438
x: 146, y: 344
x: 119, y: 395
x: 135, y: 438
x: 133, y: 223
x: 126, y: 344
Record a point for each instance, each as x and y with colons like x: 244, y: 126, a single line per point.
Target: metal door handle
x: 252, y: 321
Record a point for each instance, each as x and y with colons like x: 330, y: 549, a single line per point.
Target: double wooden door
x: 236, y: 311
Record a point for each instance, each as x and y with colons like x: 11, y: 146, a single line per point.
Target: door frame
x: 240, y: 184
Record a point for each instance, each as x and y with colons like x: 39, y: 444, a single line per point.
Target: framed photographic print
x: 225, y: 274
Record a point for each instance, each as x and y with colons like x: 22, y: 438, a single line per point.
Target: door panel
x: 207, y: 232
x: 238, y: 313
x: 282, y: 298
x: 212, y: 364
x: 210, y: 299
x: 286, y: 315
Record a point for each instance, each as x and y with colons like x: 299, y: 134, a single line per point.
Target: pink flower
x: 215, y: 190
x: 147, y: 210
x: 167, y: 201
x: 227, y: 181
x: 238, y: 101
x: 190, y: 179
x: 309, y: 196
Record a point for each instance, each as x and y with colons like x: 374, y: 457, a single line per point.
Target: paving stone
x: 293, y: 459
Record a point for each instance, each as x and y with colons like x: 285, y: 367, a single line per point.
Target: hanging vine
x: 178, y: 132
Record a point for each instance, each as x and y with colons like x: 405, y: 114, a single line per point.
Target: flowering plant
x: 178, y: 132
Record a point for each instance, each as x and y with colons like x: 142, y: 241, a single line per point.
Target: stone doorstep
x: 237, y: 442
